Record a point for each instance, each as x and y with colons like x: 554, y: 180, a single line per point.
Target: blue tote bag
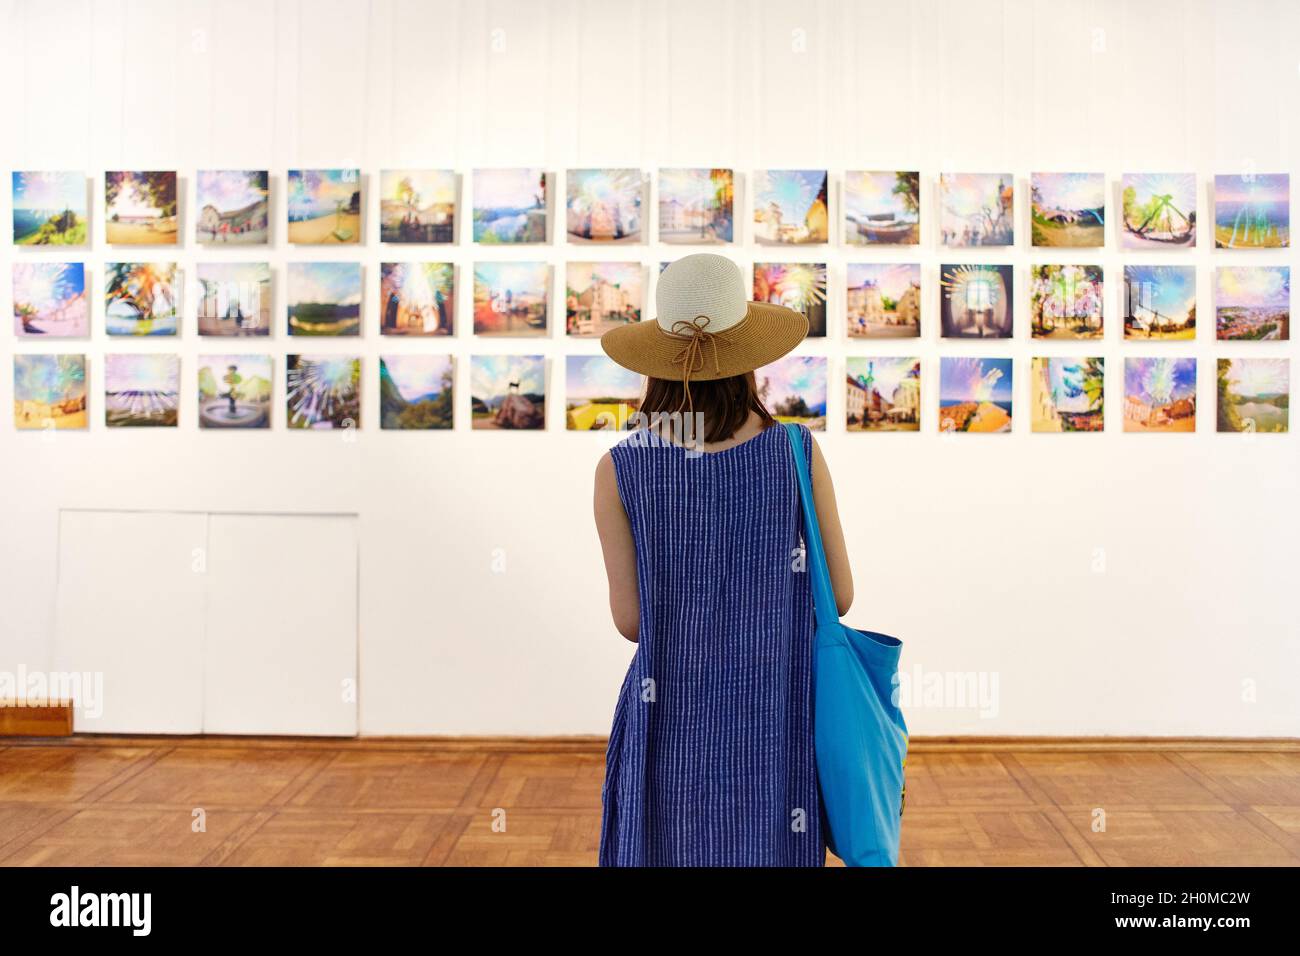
x: 860, y: 736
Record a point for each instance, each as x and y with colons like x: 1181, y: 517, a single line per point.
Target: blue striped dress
x: 710, y: 759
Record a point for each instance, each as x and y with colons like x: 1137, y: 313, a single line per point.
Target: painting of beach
x: 975, y: 394
x: 510, y: 298
x: 1252, y: 303
x: 49, y: 208
x: 882, y: 208
x: 49, y: 391
x: 233, y: 206
x: 509, y: 206
x: 140, y: 208
x: 1157, y: 211
x: 234, y: 298
x: 599, y: 394
x: 323, y: 391
x: 1067, y: 394
x: 417, y: 298
x: 696, y: 206
x: 975, y: 301
x: 417, y: 205
x: 1068, y: 209
x: 976, y: 209
x: 884, y: 300
x: 142, y: 298
x: 507, y: 392
x: 796, y: 285
x: 50, y: 299
x: 1254, y: 394
x: 141, y: 391
x: 791, y: 207
x: 324, y: 206
x: 794, y: 389
x: 1159, y: 394
x: 1252, y: 211
x: 600, y: 296
x: 1160, y: 302
x: 1065, y: 302
x: 235, y: 391
x: 416, y: 392
x: 882, y: 394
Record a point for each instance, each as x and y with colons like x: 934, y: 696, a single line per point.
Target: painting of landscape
x: 976, y: 209
x: 1065, y: 302
x: 791, y: 207
x: 509, y: 206
x: 599, y: 394
x: 1159, y: 394
x: 1068, y: 209
x: 975, y: 301
x: 696, y: 206
x: 1254, y: 394
x: 796, y: 285
x: 604, y: 205
x: 141, y: 391
x: 417, y: 205
x: 417, y: 298
x: 50, y: 299
x: 49, y: 208
x: 507, y: 392
x: 324, y: 298
x: 1067, y: 394
x: 882, y: 209
x: 794, y: 389
x: 1160, y: 302
x: 233, y: 206
x: 600, y: 296
x: 975, y: 395
x: 234, y: 298
x: 235, y: 391
x: 324, y: 206
x: 1252, y: 211
x: 49, y: 391
x: 884, y: 300
x: 415, y: 392
x: 323, y: 391
x: 1252, y: 303
x: 141, y: 298
x: 140, y: 208
x: 1158, y: 211
x: 882, y: 394
x: 510, y: 298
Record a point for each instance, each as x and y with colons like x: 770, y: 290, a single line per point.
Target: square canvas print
x: 794, y: 389
x: 323, y: 391
x: 696, y: 206
x: 49, y: 208
x: 235, y: 391
x: 49, y: 391
x: 324, y: 298
x: 140, y: 208
x: 417, y: 298
x: 141, y: 390
x: 977, y: 209
x: 1159, y: 394
x: 604, y: 205
x: 507, y: 392
x: 1065, y: 302
x: 233, y: 206
x: 1160, y: 302
x: 324, y: 206
x: 975, y: 394
x: 510, y: 298
x: 1068, y: 209
x: 509, y: 206
x: 1067, y: 395
x: 1252, y: 303
x: 796, y: 285
x: 416, y: 392
x: 882, y: 208
x: 884, y: 300
x: 599, y: 395
x: 791, y: 207
x: 417, y: 205
x: 975, y: 301
x: 883, y: 394
x: 600, y: 296
x: 1157, y: 211
x: 50, y: 299
x: 1254, y: 394
x: 234, y: 298
x: 1252, y: 211
x: 141, y: 298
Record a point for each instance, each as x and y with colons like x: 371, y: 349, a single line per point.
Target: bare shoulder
x: 606, y: 479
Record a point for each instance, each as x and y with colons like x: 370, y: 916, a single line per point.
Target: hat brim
x: 766, y: 333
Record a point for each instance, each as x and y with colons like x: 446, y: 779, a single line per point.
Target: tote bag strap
x: 823, y: 595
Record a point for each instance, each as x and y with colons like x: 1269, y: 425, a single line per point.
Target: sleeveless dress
x: 710, y: 758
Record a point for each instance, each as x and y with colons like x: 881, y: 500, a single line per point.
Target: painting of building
x: 882, y: 394
x: 883, y: 300
x: 600, y: 296
x: 975, y: 301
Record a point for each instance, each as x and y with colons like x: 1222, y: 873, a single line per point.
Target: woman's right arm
x: 828, y: 518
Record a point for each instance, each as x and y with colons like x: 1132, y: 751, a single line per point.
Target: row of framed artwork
x: 1157, y: 211
x: 508, y: 392
x: 882, y: 300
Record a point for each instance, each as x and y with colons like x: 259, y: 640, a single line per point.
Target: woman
x: 710, y: 759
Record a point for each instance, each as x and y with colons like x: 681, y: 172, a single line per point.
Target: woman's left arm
x: 615, y: 533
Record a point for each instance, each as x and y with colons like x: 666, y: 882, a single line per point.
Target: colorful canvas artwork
x: 1065, y: 302
x: 417, y: 205
x: 510, y: 298
x: 796, y: 285
x: 696, y: 206
x: 600, y: 296
x: 1159, y: 394
x: 599, y: 395
x: 975, y: 394
x: 509, y: 206
x: 507, y: 392
x: 882, y: 394
x: 604, y: 205
x: 1067, y: 394
x: 1068, y: 209
x: 1252, y: 211
x: 141, y: 298
x: 417, y: 298
x: 49, y: 391
x: 324, y: 298
x: 791, y: 207
x: 416, y: 392
x: 141, y: 391
x: 882, y: 208
x: 1252, y: 303
x: 1160, y: 302
x: 794, y: 389
x: 140, y: 208
x: 50, y: 299
x: 49, y: 208
x: 323, y: 391
x: 234, y: 298
x: 1157, y: 211
x: 976, y: 209
x: 324, y: 206
x: 884, y: 300
x: 233, y: 206
x: 975, y: 301
x: 1254, y: 394
x: 235, y: 391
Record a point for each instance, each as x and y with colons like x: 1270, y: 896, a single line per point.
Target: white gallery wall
x: 1101, y: 584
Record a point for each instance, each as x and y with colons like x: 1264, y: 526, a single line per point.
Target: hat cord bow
x: 691, y: 355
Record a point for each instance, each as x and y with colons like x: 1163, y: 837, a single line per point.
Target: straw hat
x: 706, y: 328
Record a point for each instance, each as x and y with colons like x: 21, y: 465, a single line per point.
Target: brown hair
x: 724, y: 403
